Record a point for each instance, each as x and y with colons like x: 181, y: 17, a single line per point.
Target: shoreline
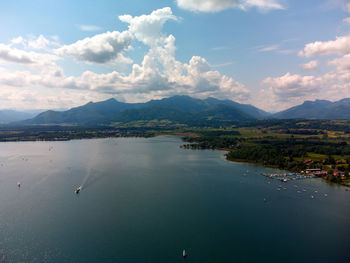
x: 260, y: 164
x: 181, y: 135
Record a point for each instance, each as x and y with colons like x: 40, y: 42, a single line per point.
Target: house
x: 321, y: 173
x: 312, y: 170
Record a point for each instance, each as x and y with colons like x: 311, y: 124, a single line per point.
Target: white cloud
x: 89, y: 28
x: 290, y: 90
x: 219, y: 5
x: 347, y: 7
x: 147, y: 28
x: 290, y: 86
x: 312, y: 65
x: 42, y: 43
x: 225, y: 64
x: 346, y: 20
x: 22, y: 98
x: 39, y: 43
x: 269, y: 48
x: 342, y: 64
x: 158, y: 75
x: 162, y: 72
x: 340, y: 46
x: 18, y: 40
x: 101, y: 48
x: 14, y: 55
x: 18, y: 56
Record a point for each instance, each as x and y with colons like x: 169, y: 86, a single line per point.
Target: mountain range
x: 7, y: 116
x: 186, y: 110
x: 318, y: 109
x: 179, y: 109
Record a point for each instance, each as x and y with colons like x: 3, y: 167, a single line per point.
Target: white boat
x: 184, y: 254
x: 78, y: 190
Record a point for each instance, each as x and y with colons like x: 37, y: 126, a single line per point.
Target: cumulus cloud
x: 292, y: 89
x: 36, y: 43
x: 14, y: 55
x: 219, y: 5
x: 290, y: 86
x: 342, y: 64
x: 101, y: 48
x: 18, y: 56
x: 346, y: 20
x: 339, y: 46
x: 147, y: 28
x: 40, y: 43
x: 159, y: 74
x: 17, y: 40
x: 312, y: 65
x: 334, y: 84
x: 22, y: 98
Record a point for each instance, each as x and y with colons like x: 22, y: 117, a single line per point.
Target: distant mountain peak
x: 318, y: 109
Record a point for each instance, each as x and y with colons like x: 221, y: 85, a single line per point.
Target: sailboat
x: 184, y: 254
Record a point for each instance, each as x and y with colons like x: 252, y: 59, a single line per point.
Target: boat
x: 19, y: 184
x: 184, y: 254
x: 78, y: 190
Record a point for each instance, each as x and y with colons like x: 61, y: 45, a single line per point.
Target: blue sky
x: 270, y: 53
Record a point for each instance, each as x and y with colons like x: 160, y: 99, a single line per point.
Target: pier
x: 285, y: 177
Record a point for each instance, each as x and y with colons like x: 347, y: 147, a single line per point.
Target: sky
x: 272, y: 54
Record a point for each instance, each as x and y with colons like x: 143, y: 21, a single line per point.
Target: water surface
x: 145, y: 200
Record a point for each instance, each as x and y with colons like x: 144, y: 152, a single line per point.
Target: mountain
x: 246, y: 108
x: 182, y: 103
x: 90, y: 113
x: 318, y: 109
x: 7, y: 116
x: 185, y: 110
x: 180, y: 109
x: 209, y: 114
x: 192, y: 105
x: 222, y: 112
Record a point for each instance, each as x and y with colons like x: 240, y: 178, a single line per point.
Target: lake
x: 146, y: 199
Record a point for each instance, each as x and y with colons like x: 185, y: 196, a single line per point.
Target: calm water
x: 145, y: 200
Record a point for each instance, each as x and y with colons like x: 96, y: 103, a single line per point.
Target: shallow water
x: 145, y: 200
